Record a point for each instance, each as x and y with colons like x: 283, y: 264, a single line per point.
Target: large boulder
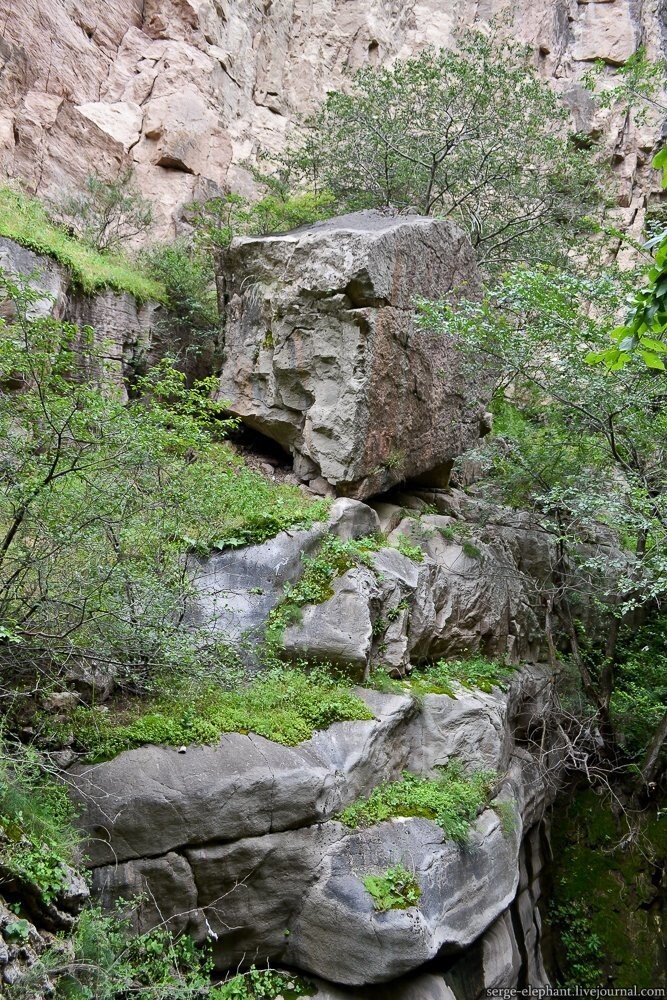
x: 323, y: 353
x: 323, y: 902
x: 239, y: 842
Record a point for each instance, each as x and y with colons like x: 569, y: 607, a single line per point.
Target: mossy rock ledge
x: 243, y: 839
x: 123, y: 325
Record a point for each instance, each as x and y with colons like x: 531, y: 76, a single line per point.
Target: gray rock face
x: 477, y: 588
x: 237, y: 589
x: 323, y: 902
x: 150, y: 801
x: 323, y: 354
x: 475, y: 593
x: 340, y: 631
x: 123, y: 327
x: 239, y: 843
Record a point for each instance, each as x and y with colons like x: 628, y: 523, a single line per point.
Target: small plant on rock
x: 107, y: 214
x: 452, y: 800
x: 396, y: 889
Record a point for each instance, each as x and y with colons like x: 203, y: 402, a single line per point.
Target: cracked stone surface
x: 240, y: 842
x: 324, y: 356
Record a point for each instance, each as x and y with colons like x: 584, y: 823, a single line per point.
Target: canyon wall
x: 188, y: 90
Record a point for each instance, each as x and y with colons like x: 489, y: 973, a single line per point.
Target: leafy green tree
x: 217, y: 221
x: 581, y: 446
x: 636, y: 89
x: 190, y: 328
x: 102, y: 501
x: 471, y: 133
x: 87, y: 498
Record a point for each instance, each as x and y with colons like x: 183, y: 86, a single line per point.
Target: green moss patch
x: 25, y: 221
x: 284, y: 705
x: 224, y: 504
x: 452, y: 800
x: 606, y: 901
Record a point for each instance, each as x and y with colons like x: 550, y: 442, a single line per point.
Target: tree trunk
x: 650, y: 768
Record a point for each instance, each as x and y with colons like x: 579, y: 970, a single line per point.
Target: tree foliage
x: 217, y: 221
x: 189, y: 327
x: 471, y: 133
x: 583, y: 447
x: 107, y: 214
x: 102, y: 500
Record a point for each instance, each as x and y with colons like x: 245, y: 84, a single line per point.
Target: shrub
x: 263, y: 984
x: 104, y: 961
x: 406, y: 548
x: 440, y: 678
x: 474, y: 672
x: 102, y: 502
x: 107, y: 214
x: 582, y: 947
x: 36, y: 815
x: 190, y: 328
x: 217, y: 221
x: 452, y: 800
x: 396, y: 889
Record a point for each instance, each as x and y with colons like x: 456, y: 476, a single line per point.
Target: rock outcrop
x: 123, y: 328
x: 187, y: 90
x: 324, y: 356
x: 468, y: 583
x: 239, y: 842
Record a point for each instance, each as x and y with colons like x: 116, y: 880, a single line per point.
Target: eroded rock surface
x: 476, y: 589
x: 240, y: 841
x: 323, y: 353
x: 187, y: 90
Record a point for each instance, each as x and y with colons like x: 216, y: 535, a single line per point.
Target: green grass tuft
x: 396, y: 889
x: 476, y: 672
x: 286, y: 705
x: 25, y: 221
x: 452, y: 800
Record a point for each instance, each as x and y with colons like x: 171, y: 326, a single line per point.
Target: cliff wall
x: 187, y: 90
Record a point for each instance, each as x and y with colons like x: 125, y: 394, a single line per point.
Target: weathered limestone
x: 186, y: 91
x: 605, y: 31
x: 240, y: 840
x: 323, y: 354
x: 476, y: 588
x: 150, y: 801
x: 323, y: 903
x: 123, y: 327
x: 340, y: 631
x: 238, y: 588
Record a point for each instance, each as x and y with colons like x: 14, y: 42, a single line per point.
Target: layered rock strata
x: 239, y: 842
x: 122, y: 327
